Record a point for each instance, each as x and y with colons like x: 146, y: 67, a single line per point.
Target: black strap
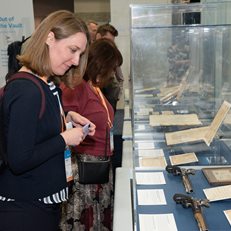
x: 35, y: 80
x: 106, y: 142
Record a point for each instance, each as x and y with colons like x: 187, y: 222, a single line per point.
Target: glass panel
x: 180, y: 72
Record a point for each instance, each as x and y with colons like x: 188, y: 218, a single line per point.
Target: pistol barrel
x: 187, y: 184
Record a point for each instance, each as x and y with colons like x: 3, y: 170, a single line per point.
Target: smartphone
x: 86, y: 129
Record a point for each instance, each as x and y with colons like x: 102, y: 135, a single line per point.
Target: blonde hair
x: 35, y: 55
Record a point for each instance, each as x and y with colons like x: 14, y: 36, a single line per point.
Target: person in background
x: 90, y: 205
x: 34, y: 181
x: 113, y: 90
x: 92, y: 28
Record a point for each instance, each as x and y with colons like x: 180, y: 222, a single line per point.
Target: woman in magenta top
x: 90, y: 205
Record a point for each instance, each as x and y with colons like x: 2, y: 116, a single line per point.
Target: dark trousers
x: 29, y: 216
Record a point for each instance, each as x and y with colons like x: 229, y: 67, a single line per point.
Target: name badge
x: 68, y: 168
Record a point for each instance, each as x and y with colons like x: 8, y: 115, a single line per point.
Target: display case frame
x: 192, y: 79
x: 180, y: 65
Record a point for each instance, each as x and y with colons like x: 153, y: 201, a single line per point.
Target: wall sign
x: 16, y: 22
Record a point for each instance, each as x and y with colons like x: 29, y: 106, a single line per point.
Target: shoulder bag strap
x: 35, y: 80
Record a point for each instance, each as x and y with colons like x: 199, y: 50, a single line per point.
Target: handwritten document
x: 183, y: 158
x: 187, y: 135
x: 217, y: 121
x: 205, y: 134
x: 218, y: 193
x: 158, y: 162
x: 176, y: 120
x: 167, y: 113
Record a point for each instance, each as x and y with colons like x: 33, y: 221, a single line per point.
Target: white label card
x: 157, y: 222
x: 146, y: 145
x: 151, y: 152
x: 151, y: 197
x: 150, y: 178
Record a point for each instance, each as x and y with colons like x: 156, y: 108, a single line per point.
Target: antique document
x: 155, y: 113
x: 167, y: 112
x: 157, y: 162
x: 227, y: 119
x: 203, y: 133
x: 220, y: 116
x: 218, y: 176
x: 218, y: 193
x: 184, y: 136
x: 183, y: 158
x: 177, y: 120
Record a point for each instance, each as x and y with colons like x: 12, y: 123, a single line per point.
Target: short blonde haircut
x: 35, y: 55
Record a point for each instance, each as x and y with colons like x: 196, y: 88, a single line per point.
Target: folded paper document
x: 205, y: 134
x: 174, y: 120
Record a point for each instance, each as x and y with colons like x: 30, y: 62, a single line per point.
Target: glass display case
x: 181, y: 100
x: 180, y: 69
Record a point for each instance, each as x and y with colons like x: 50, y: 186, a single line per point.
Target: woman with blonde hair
x: 34, y: 180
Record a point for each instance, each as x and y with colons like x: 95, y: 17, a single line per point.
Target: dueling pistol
x: 177, y: 171
x: 196, y: 205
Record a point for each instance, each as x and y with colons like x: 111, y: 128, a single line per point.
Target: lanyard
x: 100, y: 94
x: 62, y: 114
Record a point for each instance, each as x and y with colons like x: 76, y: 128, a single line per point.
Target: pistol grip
x: 200, y: 221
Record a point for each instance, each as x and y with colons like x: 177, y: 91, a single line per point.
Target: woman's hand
x: 79, y: 121
x: 73, y: 136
